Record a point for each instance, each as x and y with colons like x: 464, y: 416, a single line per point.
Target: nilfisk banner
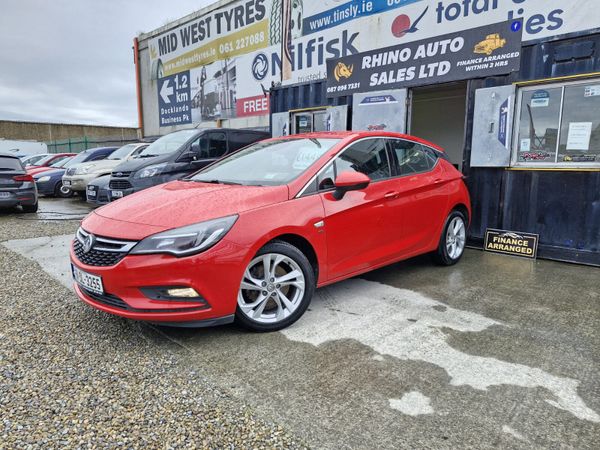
x: 474, y: 53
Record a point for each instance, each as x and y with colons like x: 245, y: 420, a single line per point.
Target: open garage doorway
x: 438, y: 115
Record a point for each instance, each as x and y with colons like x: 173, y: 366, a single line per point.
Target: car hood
x: 50, y: 173
x: 105, y: 165
x: 181, y: 203
x: 38, y: 169
x: 134, y: 165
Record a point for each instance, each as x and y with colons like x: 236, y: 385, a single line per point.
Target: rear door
x: 356, y: 224
x: 419, y: 207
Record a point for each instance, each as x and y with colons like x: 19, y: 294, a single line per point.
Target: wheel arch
x: 302, y: 244
x: 464, y: 210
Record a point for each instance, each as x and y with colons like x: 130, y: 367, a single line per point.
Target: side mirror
x: 188, y: 156
x: 349, y: 181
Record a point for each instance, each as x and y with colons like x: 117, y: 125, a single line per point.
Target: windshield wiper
x: 218, y: 182
x: 147, y: 156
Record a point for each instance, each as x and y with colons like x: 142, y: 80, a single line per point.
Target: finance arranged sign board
x: 511, y: 243
x: 474, y: 53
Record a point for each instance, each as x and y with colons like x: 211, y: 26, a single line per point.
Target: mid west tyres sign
x: 234, y: 51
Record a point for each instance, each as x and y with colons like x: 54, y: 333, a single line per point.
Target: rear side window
x: 368, y: 156
x: 412, y: 157
x: 10, y: 163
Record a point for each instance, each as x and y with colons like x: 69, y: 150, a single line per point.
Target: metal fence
x: 76, y: 145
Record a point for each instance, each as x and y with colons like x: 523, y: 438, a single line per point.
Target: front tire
x: 453, y: 240
x: 61, y: 191
x: 276, y: 288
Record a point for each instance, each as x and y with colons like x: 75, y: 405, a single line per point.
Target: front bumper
x: 214, y: 274
x: 97, y: 196
x: 46, y: 187
x: 78, y: 183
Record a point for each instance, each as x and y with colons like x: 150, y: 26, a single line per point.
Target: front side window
x: 368, y: 156
x: 412, y: 157
x: 559, y: 125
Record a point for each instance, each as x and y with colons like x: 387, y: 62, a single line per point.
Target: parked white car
x: 78, y: 177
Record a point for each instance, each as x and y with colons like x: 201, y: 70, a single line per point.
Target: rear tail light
x: 23, y: 178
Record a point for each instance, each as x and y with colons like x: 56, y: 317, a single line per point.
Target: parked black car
x: 17, y: 187
x: 176, y: 155
x: 97, y: 192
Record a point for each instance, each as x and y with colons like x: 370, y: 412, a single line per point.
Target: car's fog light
x: 182, y: 292
x: 173, y: 294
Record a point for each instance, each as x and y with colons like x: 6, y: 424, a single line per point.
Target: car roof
x: 361, y: 134
x: 9, y: 155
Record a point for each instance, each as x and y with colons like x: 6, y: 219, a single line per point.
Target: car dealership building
x: 510, y: 88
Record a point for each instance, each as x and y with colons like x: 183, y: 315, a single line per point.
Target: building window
x: 558, y: 125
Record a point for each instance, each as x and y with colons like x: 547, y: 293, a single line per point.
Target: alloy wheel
x: 272, y: 288
x: 456, y: 238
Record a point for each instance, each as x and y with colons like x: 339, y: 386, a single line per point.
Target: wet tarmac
x: 496, y: 351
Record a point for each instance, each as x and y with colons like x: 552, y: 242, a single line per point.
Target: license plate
x: 117, y: 194
x: 91, y: 193
x: 66, y: 183
x: 5, y: 195
x: 87, y: 280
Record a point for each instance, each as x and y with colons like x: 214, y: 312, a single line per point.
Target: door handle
x: 438, y: 181
x: 391, y: 195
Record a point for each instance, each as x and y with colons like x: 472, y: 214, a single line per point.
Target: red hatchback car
x: 250, y: 237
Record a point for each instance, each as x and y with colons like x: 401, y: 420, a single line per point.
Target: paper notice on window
x: 579, y: 136
x: 525, y: 145
x: 592, y: 91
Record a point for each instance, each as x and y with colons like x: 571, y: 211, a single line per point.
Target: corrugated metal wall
x: 562, y: 206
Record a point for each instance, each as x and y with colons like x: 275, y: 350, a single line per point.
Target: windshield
x: 32, y: 160
x: 267, y: 163
x: 123, y: 152
x: 61, y: 162
x: 168, y: 144
x: 77, y: 159
x: 43, y: 160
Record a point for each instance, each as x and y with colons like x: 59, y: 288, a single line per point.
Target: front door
x: 355, y: 224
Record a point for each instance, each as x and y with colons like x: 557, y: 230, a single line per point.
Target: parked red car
x: 48, y: 163
x: 250, y: 237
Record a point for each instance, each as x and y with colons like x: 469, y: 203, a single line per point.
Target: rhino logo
x: 343, y: 71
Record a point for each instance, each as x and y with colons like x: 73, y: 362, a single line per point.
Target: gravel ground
x: 71, y: 377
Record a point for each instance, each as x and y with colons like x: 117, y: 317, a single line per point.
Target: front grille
x: 119, y: 184
x: 120, y: 174
x: 103, y: 252
x: 95, y: 257
x: 116, y: 302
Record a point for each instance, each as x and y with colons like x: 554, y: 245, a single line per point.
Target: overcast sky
x: 71, y: 60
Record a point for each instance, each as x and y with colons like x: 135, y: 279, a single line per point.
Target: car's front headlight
x: 42, y: 179
x: 151, y: 171
x: 186, y: 240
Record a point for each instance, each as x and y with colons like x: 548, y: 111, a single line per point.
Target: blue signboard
x: 175, y: 99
